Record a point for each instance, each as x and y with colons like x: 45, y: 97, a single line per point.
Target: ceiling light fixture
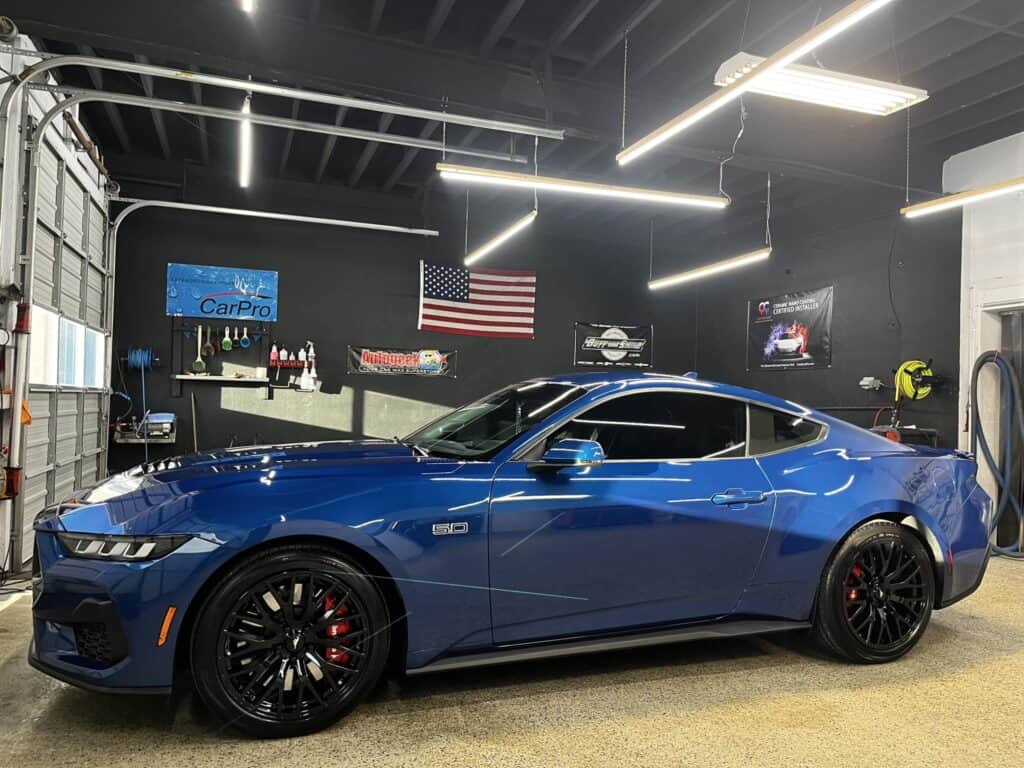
x: 711, y: 269
x: 828, y: 29
x: 571, y: 186
x: 501, y: 237
x: 249, y: 6
x: 963, y: 199
x: 825, y: 87
x: 245, y: 145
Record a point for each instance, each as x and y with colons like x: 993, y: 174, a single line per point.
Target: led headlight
x: 95, y: 546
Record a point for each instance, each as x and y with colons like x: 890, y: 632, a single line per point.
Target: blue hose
x: 1011, y: 415
x: 142, y: 360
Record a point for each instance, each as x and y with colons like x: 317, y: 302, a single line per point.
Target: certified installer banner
x: 621, y: 346
x: 388, y: 361
x: 790, y: 331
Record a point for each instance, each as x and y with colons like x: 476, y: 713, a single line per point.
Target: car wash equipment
x: 1011, y: 421
x: 914, y: 380
x: 208, y: 349
x: 244, y: 342
x: 225, y: 343
x: 198, y: 365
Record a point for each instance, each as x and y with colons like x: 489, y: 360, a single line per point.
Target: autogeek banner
x: 221, y: 293
x: 390, y: 361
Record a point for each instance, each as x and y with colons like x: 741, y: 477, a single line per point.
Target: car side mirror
x: 571, y: 453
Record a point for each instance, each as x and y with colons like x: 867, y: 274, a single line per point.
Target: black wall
x: 844, y: 239
x: 343, y: 287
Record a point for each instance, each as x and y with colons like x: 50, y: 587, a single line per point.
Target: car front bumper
x: 98, y: 625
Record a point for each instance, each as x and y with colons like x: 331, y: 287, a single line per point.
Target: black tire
x: 876, y: 595
x: 311, y: 626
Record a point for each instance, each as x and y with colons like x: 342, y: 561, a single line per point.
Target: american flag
x: 477, y: 302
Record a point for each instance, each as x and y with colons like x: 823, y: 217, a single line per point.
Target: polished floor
x: 957, y: 700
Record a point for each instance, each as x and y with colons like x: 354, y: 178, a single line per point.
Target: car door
x: 669, y: 528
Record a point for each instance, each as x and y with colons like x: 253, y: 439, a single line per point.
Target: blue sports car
x: 562, y: 515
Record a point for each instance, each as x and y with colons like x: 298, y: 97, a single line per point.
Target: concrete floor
x: 957, y: 700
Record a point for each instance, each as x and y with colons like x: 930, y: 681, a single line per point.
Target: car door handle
x: 738, y: 496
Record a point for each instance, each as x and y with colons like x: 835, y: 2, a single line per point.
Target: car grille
x: 93, y: 642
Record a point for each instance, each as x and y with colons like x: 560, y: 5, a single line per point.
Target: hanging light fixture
x: 571, y: 186
x: 501, y: 237
x: 963, y: 199
x: 821, y: 33
x: 711, y: 269
x: 245, y: 144
x: 726, y: 265
x: 825, y: 87
x: 249, y: 6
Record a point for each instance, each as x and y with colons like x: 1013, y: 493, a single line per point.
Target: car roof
x: 596, y: 382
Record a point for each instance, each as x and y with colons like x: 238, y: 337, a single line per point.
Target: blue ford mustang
x: 561, y: 515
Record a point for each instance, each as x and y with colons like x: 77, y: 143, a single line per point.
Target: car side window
x: 772, y: 430
x: 662, y: 426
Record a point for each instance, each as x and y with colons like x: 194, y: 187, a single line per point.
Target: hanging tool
x: 244, y: 342
x: 198, y: 366
x: 208, y: 349
x: 225, y: 343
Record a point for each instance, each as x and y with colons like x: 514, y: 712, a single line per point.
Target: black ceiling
x: 558, y: 63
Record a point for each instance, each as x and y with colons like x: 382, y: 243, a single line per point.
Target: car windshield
x: 481, y: 429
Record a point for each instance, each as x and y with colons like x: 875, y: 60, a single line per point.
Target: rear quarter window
x: 772, y: 430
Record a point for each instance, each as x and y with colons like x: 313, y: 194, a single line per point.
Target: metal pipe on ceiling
x: 270, y: 89
x: 81, y: 95
x: 135, y: 203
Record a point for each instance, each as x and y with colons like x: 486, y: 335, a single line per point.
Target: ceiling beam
x: 437, y: 19
x: 411, y: 153
x: 500, y: 26
x: 376, y: 14
x: 158, y: 118
x: 575, y: 17
x: 326, y: 56
x: 615, y: 38
x: 289, y: 137
x: 369, y: 151
x: 113, y: 113
x: 658, y: 57
x: 329, y: 143
x: 204, y: 136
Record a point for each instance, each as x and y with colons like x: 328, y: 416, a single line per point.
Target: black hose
x: 1011, y: 414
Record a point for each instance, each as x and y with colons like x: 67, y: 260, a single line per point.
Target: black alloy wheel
x: 290, y: 642
x: 877, y: 594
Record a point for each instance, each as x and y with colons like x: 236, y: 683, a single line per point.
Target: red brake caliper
x: 851, y: 593
x: 336, y: 655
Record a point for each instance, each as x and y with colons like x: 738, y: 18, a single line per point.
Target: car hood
x: 146, y: 498
x: 333, y: 451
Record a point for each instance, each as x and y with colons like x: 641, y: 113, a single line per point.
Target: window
x: 71, y: 351
x: 481, y: 429
x: 95, y: 358
x: 773, y: 430
x: 663, y: 425
x: 42, y: 359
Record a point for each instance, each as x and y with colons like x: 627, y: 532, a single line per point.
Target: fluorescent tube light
x: 245, y: 145
x: 552, y: 184
x: 711, y: 269
x: 501, y: 237
x: 962, y: 199
x: 828, y: 29
x: 822, y: 86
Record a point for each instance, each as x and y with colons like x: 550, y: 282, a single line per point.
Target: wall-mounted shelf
x: 224, y: 379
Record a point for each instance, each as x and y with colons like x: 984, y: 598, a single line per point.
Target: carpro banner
x: 790, y: 331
